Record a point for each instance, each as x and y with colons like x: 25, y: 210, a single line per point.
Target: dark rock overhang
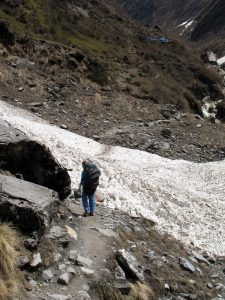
x: 31, y: 161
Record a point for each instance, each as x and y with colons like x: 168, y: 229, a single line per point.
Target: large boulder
x: 27, y: 205
x: 31, y: 161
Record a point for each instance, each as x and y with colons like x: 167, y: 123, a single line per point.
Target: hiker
x: 88, y: 184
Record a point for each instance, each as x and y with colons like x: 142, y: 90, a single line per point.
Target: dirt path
x: 90, y: 244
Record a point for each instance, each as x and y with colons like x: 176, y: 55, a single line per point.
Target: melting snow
x: 182, y: 24
x: 189, y: 24
x: 221, y: 61
x: 186, y: 199
x: 186, y: 25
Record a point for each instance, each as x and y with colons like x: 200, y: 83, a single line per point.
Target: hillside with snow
x: 166, y: 14
x: 200, y: 23
x: 185, y: 199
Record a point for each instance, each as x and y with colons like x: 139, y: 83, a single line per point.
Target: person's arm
x: 82, y: 179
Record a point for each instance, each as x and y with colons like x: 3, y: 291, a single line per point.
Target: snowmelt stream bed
x: 186, y: 199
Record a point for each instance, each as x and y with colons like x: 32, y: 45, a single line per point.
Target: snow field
x: 185, y: 199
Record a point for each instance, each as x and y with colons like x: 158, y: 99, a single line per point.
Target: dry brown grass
x: 9, y: 242
x: 139, y: 291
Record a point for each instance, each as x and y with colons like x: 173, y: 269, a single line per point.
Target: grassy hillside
x: 117, y: 51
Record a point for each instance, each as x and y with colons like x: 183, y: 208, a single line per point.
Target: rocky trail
x: 89, y: 249
x: 83, y: 263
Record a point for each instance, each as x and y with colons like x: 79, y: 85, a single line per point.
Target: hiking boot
x: 85, y: 214
x: 91, y: 214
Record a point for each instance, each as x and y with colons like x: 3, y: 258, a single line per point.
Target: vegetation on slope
x: 52, y: 20
x: 8, y: 254
x: 118, y: 51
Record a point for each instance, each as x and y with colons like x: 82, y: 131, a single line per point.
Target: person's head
x: 85, y: 162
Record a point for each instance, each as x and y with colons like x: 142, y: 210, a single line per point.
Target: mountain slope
x: 115, y: 50
x: 166, y: 14
x: 201, y: 22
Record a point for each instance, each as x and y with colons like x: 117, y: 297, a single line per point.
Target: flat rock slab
x: 59, y: 234
x: 186, y: 265
x: 29, y: 206
x: 130, y: 265
x: 83, y: 261
x: 200, y: 258
x: 59, y: 297
x: 87, y: 271
x: 106, y: 232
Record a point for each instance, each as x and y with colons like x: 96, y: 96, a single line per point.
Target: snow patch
x: 182, y: 24
x: 189, y: 24
x: 209, y: 108
x: 186, y: 199
x: 221, y: 61
x: 186, y: 25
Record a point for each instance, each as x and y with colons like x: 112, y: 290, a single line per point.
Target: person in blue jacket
x: 88, y: 184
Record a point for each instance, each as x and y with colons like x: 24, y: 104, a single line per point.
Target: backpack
x: 92, y: 176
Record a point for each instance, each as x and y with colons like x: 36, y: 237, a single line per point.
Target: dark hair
x: 85, y: 161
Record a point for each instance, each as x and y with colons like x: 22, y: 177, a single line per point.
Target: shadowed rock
x: 32, y: 161
x: 27, y: 205
x: 129, y: 265
x: 186, y: 265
